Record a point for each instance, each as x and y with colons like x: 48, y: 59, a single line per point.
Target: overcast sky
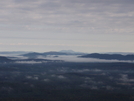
x: 80, y: 25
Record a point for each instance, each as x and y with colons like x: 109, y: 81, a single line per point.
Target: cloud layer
x: 85, y: 15
x: 67, y: 19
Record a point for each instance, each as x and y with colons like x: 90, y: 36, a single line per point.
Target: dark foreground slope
x: 64, y: 81
x: 4, y: 59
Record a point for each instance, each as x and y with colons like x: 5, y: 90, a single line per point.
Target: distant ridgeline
x: 35, y: 54
x: 44, y: 54
x: 4, y: 59
x: 109, y: 56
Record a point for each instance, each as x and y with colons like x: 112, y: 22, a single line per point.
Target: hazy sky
x: 80, y: 25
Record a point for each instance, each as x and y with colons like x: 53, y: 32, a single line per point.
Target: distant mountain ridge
x: 122, y: 53
x: 35, y: 54
x: 63, y: 52
x: 109, y: 56
x: 12, y: 53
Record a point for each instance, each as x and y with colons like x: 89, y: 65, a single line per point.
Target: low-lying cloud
x: 78, y: 59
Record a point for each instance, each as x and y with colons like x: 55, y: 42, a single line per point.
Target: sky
x: 79, y: 25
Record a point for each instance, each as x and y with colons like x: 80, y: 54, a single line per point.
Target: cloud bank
x: 107, y: 24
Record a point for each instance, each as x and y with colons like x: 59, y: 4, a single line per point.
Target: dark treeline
x: 66, y: 81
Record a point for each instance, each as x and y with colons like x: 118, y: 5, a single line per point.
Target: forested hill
x: 4, y: 59
x: 109, y: 56
x: 35, y: 54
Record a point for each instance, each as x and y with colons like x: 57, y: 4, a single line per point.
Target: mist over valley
x: 60, y: 76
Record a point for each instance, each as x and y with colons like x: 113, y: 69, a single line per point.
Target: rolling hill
x: 4, y: 59
x: 109, y: 56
